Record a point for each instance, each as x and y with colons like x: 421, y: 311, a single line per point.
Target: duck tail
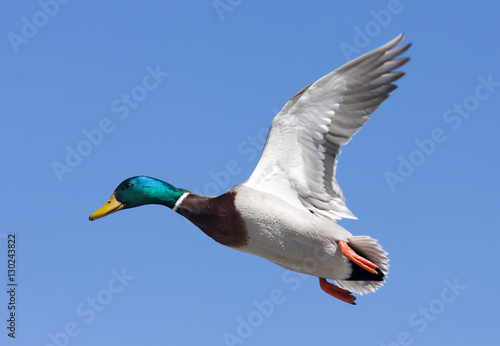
x: 361, y: 281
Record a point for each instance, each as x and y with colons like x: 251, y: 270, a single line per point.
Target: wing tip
x: 395, y: 41
x: 399, y: 38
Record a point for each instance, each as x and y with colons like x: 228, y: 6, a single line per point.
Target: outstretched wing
x: 300, y: 157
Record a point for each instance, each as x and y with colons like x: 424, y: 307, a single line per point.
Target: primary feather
x: 300, y: 156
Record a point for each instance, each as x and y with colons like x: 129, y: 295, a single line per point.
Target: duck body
x: 287, y: 210
x: 264, y: 225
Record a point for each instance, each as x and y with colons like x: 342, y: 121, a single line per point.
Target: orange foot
x: 353, y: 256
x: 337, y: 292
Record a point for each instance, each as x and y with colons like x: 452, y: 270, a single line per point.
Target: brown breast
x: 217, y: 217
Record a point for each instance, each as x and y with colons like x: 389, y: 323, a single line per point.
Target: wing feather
x: 300, y: 157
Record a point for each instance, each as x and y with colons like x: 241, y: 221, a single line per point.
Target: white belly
x: 291, y: 237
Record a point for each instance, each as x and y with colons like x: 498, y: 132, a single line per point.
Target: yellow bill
x: 110, y: 207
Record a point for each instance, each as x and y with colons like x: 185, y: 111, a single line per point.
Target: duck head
x: 137, y: 191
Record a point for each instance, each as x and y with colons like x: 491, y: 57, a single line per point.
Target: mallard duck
x: 286, y: 211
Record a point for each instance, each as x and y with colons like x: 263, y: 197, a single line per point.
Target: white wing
x: 299, y: 160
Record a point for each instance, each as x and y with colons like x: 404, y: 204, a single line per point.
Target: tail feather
x: 371, y: 250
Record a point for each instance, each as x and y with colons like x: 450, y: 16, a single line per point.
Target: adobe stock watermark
x: 88, y: 309
x: 223, y: 6
x: 31, y: 26
x: 422, y: 318
x: 365, y: 34
x: 263, y: 309
x: 121, y: 107
x: 248, y: 150
x: 453, y: 117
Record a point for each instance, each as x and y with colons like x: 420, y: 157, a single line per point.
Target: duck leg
x: 353, y: 256
x: 337, y: 292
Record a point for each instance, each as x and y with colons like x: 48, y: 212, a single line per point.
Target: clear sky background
x: 205, y: 79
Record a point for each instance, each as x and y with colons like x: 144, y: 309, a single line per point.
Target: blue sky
x: 95, y: 92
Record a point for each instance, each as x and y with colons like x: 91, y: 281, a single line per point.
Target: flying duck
x: 287, y: 210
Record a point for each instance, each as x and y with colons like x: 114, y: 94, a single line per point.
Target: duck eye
x: 128, y: 185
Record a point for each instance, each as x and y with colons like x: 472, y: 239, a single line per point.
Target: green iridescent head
x: 137, y: 191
